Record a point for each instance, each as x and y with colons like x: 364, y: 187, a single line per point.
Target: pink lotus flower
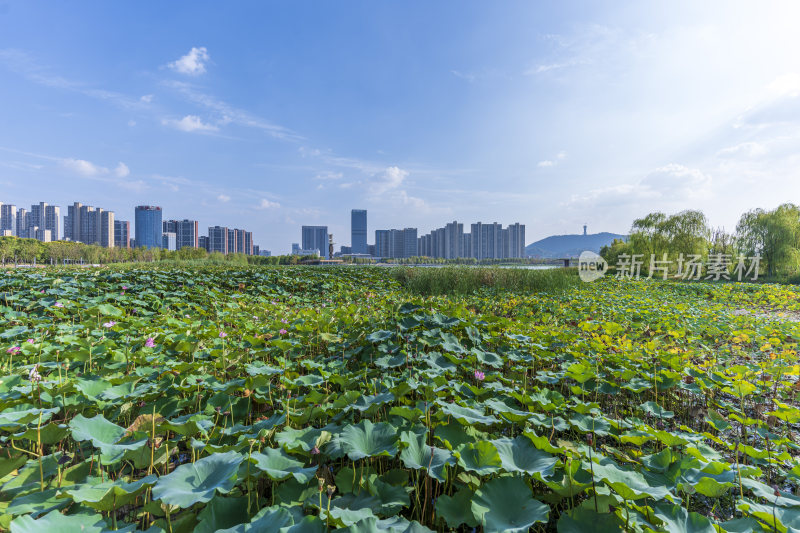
x: 13, y: 350
x: 110, y: 324
x: 283, y: 332
x: 284, y: 321
x: 222, y: 334
x: 30, y: 341
x: 314, y: 450
x: 42, y: 291
x: 149, y: 343
x: 479, y: 375
x: 124, y: 288
x: 58, y: 304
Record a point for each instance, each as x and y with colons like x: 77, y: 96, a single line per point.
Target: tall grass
x: 465, y: 280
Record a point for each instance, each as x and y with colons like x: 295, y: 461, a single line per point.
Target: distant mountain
x: 570, y: 245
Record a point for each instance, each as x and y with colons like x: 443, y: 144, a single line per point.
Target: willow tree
x: 774, y: 235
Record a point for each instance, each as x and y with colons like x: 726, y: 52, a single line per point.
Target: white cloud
x: 560, y: 156
x: 547, y: 67
x: 83, y: 167
x: 146, y: 99
x: 391, y: 178
x: 121, y: 170
x: 266, y: 204
x: 746, y: 149
x: 189, y: 123
x: 464, y: 76
x: 193, y: 63
x: 328, y: 175
x: 413, y: 201
x: 224, y: 198
x: 229, y: 114
x: 670, y: 184
x: 785, y: 84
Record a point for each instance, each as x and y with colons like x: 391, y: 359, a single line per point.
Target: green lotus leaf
x: 278, y: 465
x: 656, y: 410
x: 467, y: 415
x: 581, y: 519
x: 420, y: 456
x: 55, y: 522
x: 677, y: 519
x: 520, y: 455
x: 630, y: 485
x: 308, y: 524
x: 197, y: 482
x: 14, y: 417
x: 47, y: 434
x: 481, y: 457
x: 220, y: 513
x: 395, y: 524
x: 108, y: 495
x: 366, y: 439
x: 36, y: 503
x: 104, y: 435
x: 267, y: 519
x: 456, y: 509
x: 293, y: 440
x: 505, y: 505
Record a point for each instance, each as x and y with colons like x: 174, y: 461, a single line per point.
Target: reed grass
x: 465, y: 279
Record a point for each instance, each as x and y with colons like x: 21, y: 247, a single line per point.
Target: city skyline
x: 280, y: 123
x: 95, y: 225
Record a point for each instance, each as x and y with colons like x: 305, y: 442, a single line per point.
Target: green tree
x: 774, y: 235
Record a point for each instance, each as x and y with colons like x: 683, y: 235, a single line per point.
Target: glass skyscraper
x: 148, y: 226
x: 315, y: 238
x: 358, y: 231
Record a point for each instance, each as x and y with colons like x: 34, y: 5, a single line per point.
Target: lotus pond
x: 307, y: 399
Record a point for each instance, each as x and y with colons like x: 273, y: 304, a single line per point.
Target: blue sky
x: 270, y: 115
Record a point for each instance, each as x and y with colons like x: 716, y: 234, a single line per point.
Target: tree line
x: 14, y: 250
x: 773, y: 235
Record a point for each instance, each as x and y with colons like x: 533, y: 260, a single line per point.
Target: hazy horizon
x: 269, y: 116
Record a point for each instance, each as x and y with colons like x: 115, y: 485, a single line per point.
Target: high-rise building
x: 202, y: 242
x: 233, y: 235
x: 36, y: 218
x: 218, y: 239
x: 122, y: 234
x: 315, y: 238
x: 44, y: 217
x: 41, y: 234
x: 295, y: 248
x: 246, y: 242
x: 107, y: 229
x: 358, y: 231
x: 89, y: 225
x: 186, y: 231
x: 396, y: 243
x: 23, y: 217
x: 148, y: 226
x: 514, y: 240
x: 256, y: 249
x: 169, y: 241
x: 72, y: 222
x: 487, y: 240
x: 8, y: 218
